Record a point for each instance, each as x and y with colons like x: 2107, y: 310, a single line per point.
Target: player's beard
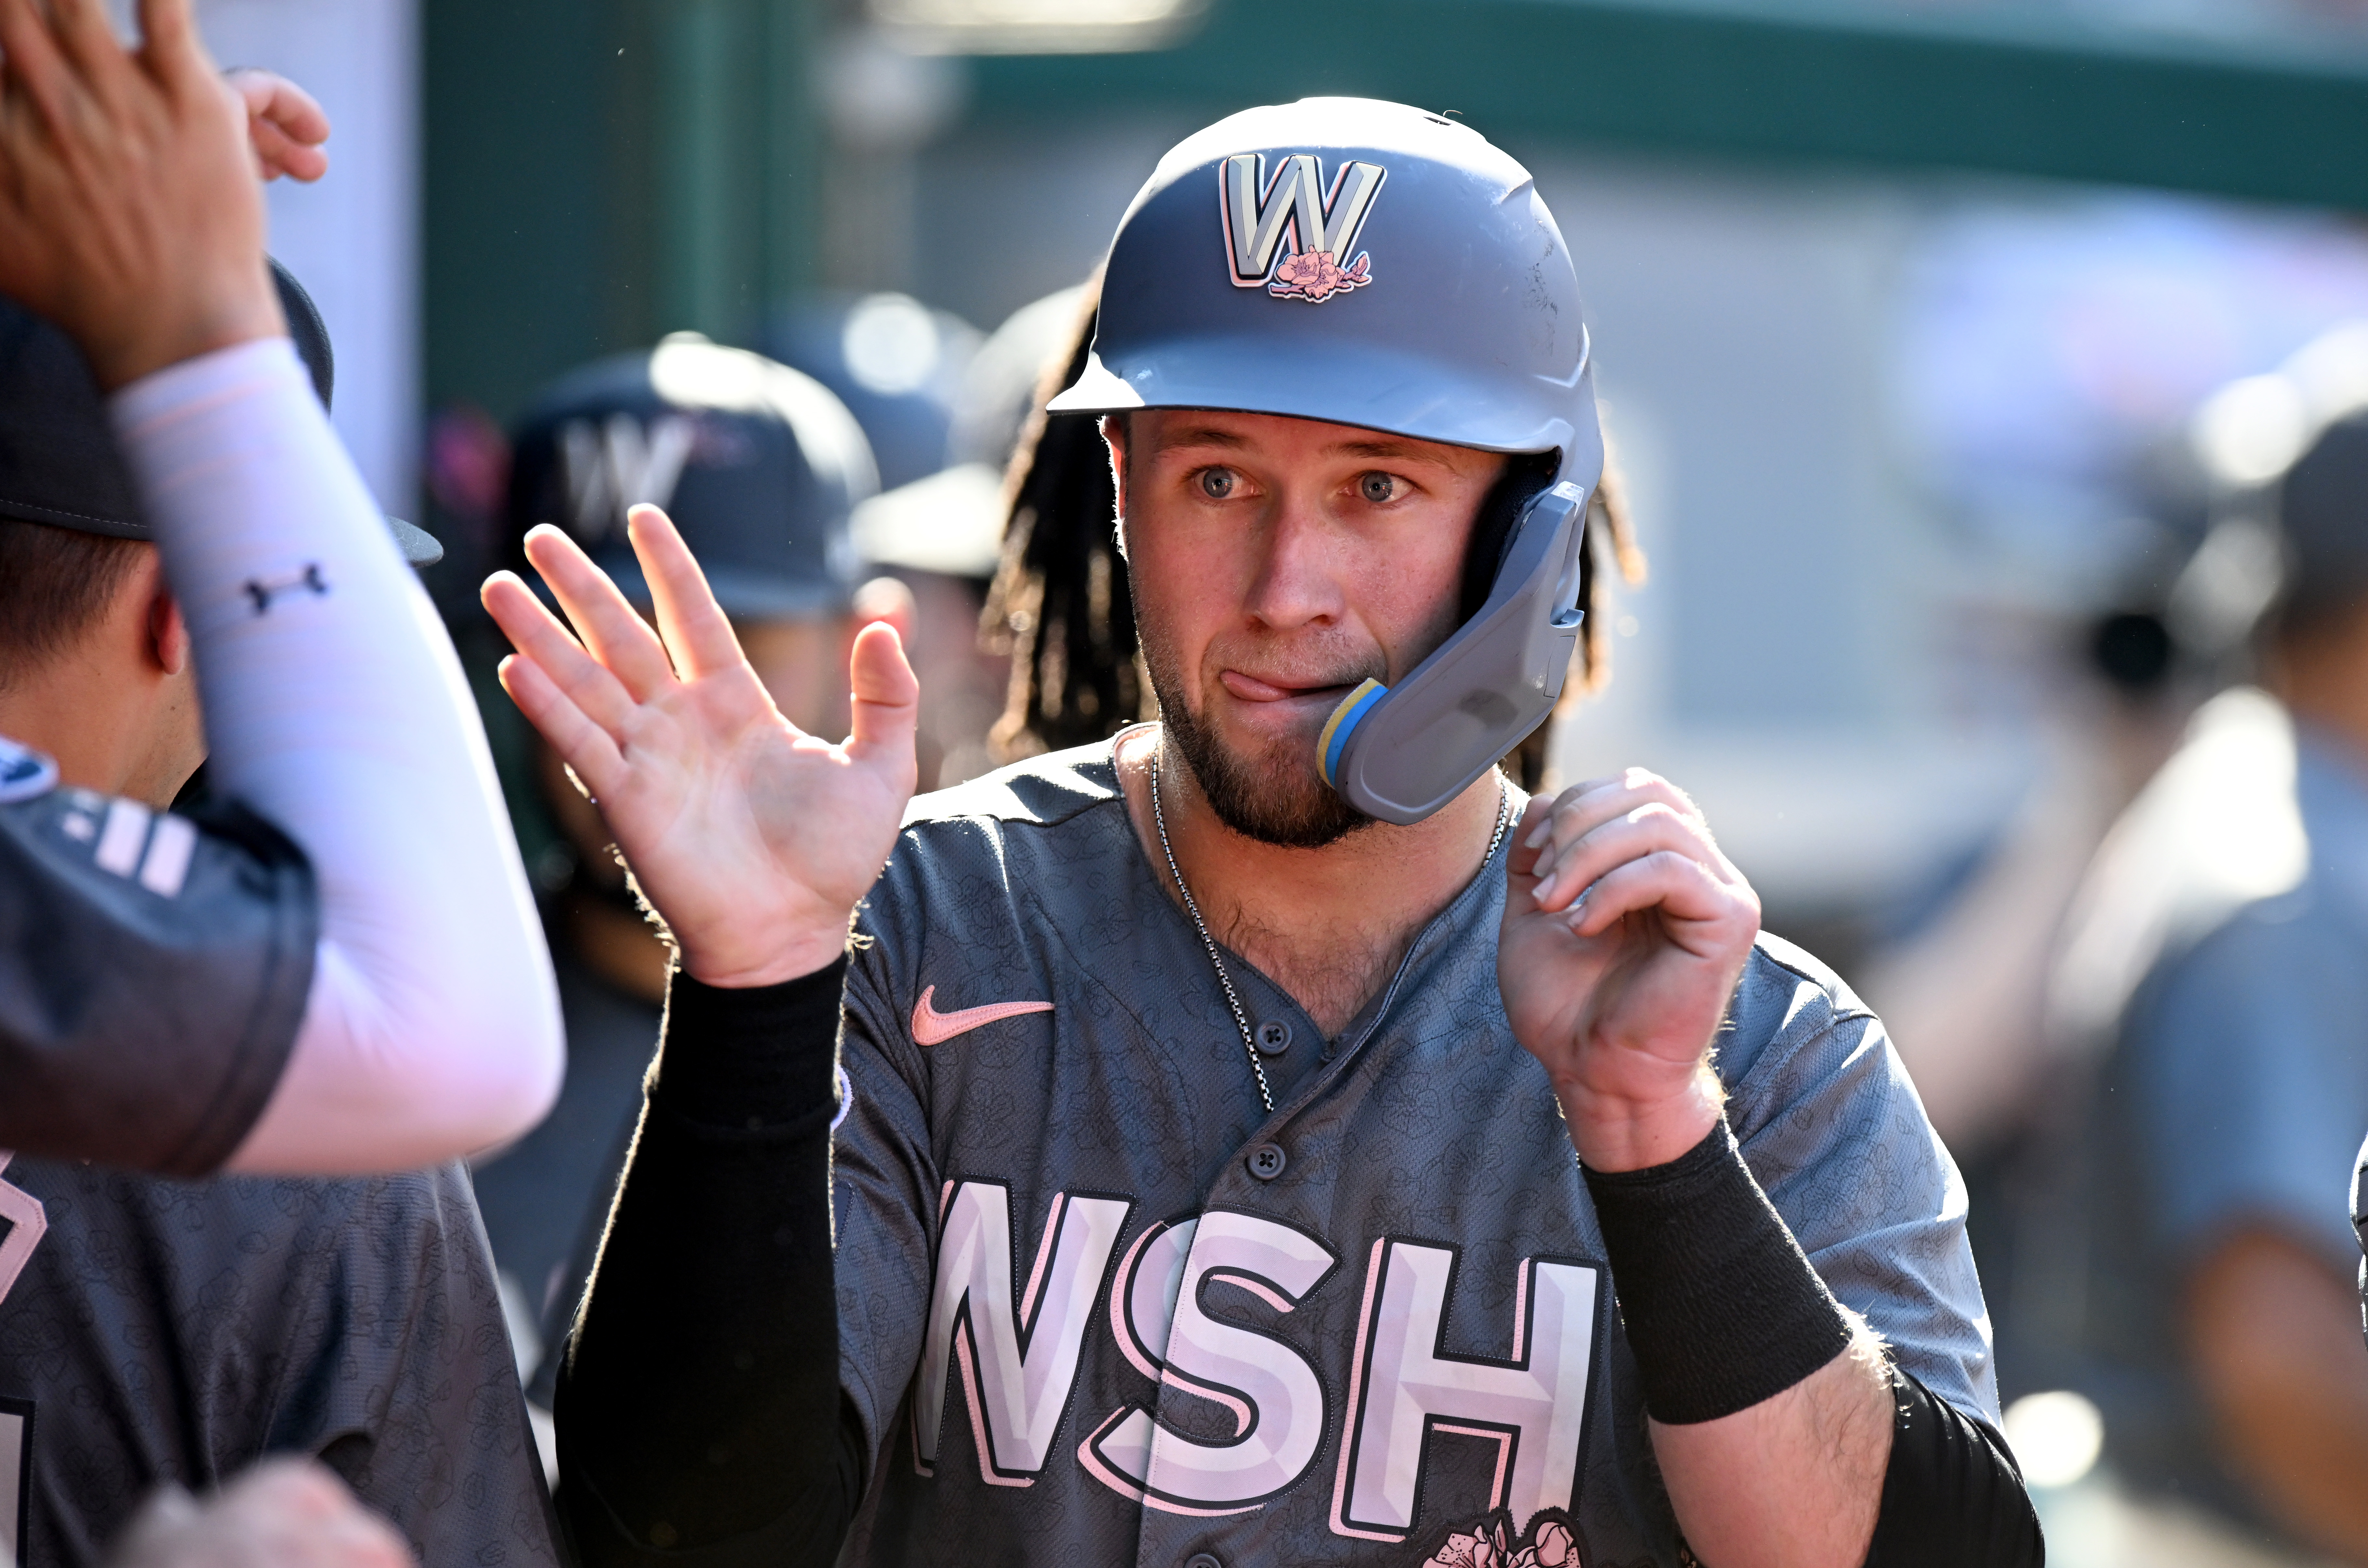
x: 1274, y: 796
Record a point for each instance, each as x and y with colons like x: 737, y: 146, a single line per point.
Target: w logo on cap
x: 1323, y: 224
x: 617, y: 465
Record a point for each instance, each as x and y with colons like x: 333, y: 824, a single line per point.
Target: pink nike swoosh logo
x: 933, y: 1028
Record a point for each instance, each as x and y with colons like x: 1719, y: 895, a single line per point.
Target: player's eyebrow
x: 1383, y: 449
x: 1202, y: 435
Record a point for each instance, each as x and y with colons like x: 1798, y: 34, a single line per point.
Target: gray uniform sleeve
x: 883, y: 1203
x: 154, y: 971
x: 1834, y: 1132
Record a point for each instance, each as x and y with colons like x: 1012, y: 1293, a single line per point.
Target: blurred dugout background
x: 1900, y: 312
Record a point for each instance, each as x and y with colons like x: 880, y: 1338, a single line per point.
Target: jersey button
x: 1273, y: 1038
x: 1266, y: 1162
x: 1203, y: 1559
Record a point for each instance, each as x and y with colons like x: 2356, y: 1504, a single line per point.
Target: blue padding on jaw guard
x: 1344, y: 720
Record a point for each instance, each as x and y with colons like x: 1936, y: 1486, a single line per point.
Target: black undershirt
x: 701, y: 1419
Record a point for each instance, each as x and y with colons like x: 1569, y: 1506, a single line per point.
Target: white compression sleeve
x: 335, y: 705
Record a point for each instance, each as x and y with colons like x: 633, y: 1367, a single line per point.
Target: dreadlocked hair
x: 1060, y: 605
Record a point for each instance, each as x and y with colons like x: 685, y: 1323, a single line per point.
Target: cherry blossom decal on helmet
x: 1316, y: 277
x: 1323, y: 224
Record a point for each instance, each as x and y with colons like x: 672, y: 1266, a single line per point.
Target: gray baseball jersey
x: 1096, y: 1306
x: 152, y: 972
x: 154, y: 1330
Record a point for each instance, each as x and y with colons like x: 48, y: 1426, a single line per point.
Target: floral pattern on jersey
x: 1316, y: 274
x: 1492, y: 1542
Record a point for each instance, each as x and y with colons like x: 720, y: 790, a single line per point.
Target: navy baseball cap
x: 58, y: 462
x: 758, y: 465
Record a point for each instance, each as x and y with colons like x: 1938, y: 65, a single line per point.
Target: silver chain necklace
x: 1192, y: 908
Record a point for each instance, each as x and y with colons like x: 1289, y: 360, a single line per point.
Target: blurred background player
x: 2210, y: 999
x: 763, y: 466
x: 943, y: 537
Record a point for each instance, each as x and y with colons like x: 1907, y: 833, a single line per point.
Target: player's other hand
x: 1625, y: 932
x: 753, y: 838
x: 130, y: 214
x: 284, y: 1513
x: 284, y: 124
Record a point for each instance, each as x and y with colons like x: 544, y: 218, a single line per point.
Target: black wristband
x: 751, y: 1059
x: 1722, y: 1307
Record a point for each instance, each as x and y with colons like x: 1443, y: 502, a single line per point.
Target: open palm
x: 1624, y: 933
x: 754, y: 839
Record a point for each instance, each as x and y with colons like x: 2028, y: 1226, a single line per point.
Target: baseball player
x: 1203, y: 1187
x: 337, y: 970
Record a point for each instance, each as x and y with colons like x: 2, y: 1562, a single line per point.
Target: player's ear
x: 167, y: 632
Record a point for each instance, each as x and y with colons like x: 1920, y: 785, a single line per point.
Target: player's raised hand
x: 130, y: 212
x: 1625, y: 931
x: 753, y: 838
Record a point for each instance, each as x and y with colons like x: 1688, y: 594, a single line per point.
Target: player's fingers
x: 604, y: 620
x: 273, y: 98
x: 887, y: 699
x: 696, y: 630
x: 277, y: 155
x: 583, y: 745
x: 1645, y: 831
x: 1521, y: 859
x: 1700, y: 913
x: 34, y: 62
x: 537, y: 634
x: 1578, y: 812
x: 87, y: 40
x: 170, y: 46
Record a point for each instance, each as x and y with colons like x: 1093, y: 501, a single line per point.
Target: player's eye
x: 1217, y: 484
x: 1380, y: 489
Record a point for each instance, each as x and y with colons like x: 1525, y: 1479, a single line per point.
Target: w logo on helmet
x: 1323, y: 224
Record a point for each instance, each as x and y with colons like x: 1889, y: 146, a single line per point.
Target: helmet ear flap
x: 1526, y: 477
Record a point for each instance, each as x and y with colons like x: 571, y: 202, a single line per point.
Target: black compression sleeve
x: 1722, y: 1307
x: 700, y: 1421
x: 1952, y: 1497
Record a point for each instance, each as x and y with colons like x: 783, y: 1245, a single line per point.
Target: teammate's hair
x: 1060, y: 603
x: 54, y: 584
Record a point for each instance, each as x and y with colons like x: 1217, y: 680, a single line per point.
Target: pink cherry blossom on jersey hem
x: 1490, y: 1543
x: 1316, y: 274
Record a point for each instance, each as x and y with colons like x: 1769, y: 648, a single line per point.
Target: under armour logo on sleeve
x: 263, y: 590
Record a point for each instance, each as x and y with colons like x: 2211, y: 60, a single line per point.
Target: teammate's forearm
x: 698, y: 1407
x: 334, y: 704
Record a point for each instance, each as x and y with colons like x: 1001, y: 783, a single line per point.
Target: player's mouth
x: 1284, y: 695
x: 1286, y: 711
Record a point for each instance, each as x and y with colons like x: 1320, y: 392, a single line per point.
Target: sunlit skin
x: 1289, y: 560
x: 801, y: 666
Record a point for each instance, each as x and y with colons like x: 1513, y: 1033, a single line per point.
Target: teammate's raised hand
x: 752, y: 837
x: 130, y: 210
x: 1625, y: 931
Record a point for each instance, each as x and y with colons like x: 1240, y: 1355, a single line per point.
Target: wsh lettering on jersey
x: 1014, y: 1350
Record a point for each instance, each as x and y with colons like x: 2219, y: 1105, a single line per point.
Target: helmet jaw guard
x: 1364, y: 263
x: 1400, y: 753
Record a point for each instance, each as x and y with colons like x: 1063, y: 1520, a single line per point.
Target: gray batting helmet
x: 1364, y: 263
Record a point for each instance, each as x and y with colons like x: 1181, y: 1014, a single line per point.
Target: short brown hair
x: 54, y: 584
